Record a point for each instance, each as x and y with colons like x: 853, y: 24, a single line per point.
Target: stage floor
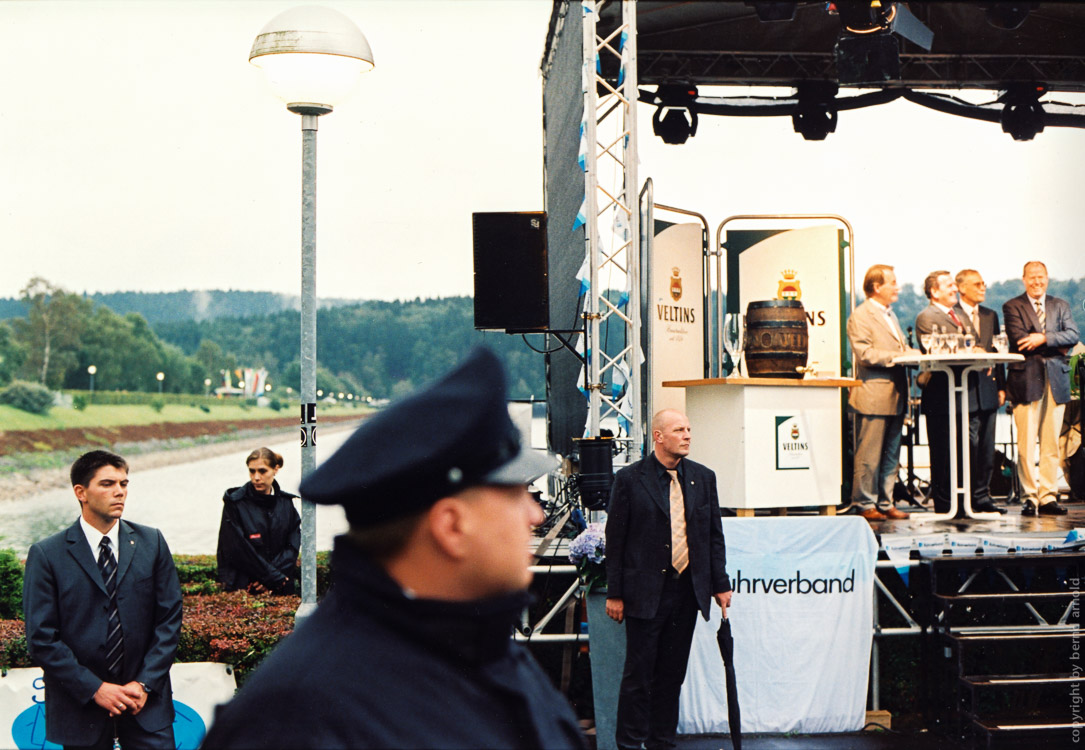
x: 1011, y: 523
x: 855, y: 741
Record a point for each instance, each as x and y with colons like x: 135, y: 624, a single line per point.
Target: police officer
x: 411, y: 647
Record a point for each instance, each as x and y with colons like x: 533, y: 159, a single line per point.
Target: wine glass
x: 734, y: 337
x: 951, y: 340
x: 926, y: 339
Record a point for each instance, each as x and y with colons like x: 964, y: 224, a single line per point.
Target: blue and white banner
x: 802, y: 616
x: 197, y: 689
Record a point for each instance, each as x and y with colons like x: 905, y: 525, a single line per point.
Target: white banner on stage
x: 801, y: 615
x: 676, y: 313
x: 197, y: 689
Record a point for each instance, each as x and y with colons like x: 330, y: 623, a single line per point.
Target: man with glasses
x: 986, y: 390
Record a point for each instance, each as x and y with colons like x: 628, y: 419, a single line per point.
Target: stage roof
x: 725, y: 43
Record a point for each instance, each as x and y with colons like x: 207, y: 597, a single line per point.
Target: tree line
x: 378, y: 349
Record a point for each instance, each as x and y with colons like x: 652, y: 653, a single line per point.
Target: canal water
x: 184, y: 500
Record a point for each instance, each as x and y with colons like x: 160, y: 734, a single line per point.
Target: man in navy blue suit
x: 1041, y: 328
x: 103, y: 616
x: 665, y: 562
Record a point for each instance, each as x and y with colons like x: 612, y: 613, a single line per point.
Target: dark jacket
x: 372, y: 668
x: 259, y: 539
x: 66, y: 620
x: 639, y: 537
x: 984, y: 385
x: 1048, y: 364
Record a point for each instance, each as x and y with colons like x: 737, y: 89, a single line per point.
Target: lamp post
x: 160, y: 377
x: 313, y: 57
x: 206, y: 387
x: 90, y: 371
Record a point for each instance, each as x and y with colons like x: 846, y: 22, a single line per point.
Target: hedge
x: 234, y: 628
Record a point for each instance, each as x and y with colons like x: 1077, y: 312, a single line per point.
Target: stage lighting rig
x: 1022, y: 115
x: 675, y: 120
x: 867, y: 50
x: 815, y: 113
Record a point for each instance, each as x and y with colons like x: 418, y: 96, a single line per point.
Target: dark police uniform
x: 376, y: 667
x: 259, y: 539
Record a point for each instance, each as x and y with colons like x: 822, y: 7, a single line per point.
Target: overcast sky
x: 141, y: 151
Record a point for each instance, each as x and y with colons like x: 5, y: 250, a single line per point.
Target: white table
x: 957, y: 367
x: 773, y: 442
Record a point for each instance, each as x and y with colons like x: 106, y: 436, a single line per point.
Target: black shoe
x: 1029, y: 508
x: 986, y: 506
x: 1052, y: 509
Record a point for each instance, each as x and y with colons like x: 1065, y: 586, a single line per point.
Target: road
x: 183, y: 500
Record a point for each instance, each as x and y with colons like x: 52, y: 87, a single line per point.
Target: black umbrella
x: 727, y: 651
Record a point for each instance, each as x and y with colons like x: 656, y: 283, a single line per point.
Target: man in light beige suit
x: 880, y: 402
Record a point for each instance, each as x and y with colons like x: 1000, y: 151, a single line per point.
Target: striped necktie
x: 1040, y: 314
x: 679, y: 545
x: 114, y: 642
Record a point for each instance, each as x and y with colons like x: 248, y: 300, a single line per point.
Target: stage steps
x: 1003, y: 657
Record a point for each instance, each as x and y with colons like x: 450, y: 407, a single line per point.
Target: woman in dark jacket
x: 260, y: 531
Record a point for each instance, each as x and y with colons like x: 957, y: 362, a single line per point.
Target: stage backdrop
x: 801, y: 264
x: 802, y: 622
x: 676, y: 313
x: 197, y: 689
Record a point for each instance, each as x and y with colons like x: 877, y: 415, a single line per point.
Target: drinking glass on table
x: 926, y: 339
x: 969, y: 340
x: 951, y: 341
x: 1002, y: 343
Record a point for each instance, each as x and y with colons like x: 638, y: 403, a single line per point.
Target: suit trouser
x: 132, y: 736
x: 656, y: 655
x: 981, y: 443
x: 1041, y: 418
x: 877, y: 457
x: 938, y: 445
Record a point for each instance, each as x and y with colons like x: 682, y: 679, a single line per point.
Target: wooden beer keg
x: 777, y: 339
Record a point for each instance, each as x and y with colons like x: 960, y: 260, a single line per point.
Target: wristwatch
x: 146, y: 689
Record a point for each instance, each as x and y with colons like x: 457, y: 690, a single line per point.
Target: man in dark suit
x: 1041, y: 328
x: 665, y: 561
x: 940, y: 315
x: 989, y: 388
x: 103, y: 616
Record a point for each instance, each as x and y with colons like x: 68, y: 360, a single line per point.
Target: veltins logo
x: 800, y: 584
x: 789, y: 287
x: 792, y: 444
x: 676, y: 284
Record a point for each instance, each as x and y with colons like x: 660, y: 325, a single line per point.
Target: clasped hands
x: 1032, y: 341
x: 116, y: 699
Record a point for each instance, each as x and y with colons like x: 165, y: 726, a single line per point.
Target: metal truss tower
x: 612, y: 223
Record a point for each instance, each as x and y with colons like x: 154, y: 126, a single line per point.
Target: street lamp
x: 312, y: 57
x: 206, y: 387
x: 90, y: 371
x: 160, y: 377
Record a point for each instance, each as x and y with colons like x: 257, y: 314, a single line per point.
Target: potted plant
x: 606, y: 638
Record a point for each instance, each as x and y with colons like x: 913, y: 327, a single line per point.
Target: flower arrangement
x: 588, y: 552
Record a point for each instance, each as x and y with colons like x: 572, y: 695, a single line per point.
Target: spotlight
x: 674, y: 120
x: 815, y: 114
x: 1023, y: 115
x: 1008, y: 16
x: 780, y: 11
x: 868, y: 50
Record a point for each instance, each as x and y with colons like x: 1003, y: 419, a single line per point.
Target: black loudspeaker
x: 512, y: 288
x: 596, y: 471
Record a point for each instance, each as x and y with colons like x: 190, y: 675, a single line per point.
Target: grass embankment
x: 96, y: 415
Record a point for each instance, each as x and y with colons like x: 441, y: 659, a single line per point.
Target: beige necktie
x: 976, y: 321
x: 679, y: 546
x: 1040, y: 314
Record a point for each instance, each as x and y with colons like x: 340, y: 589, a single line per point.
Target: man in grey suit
x: 880, y: 402
x: 665, y: 562
x: 986, y: 390
x: 103, y: 616
x: 1041, y: 328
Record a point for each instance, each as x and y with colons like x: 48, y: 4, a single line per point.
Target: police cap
x: 451, y: 435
